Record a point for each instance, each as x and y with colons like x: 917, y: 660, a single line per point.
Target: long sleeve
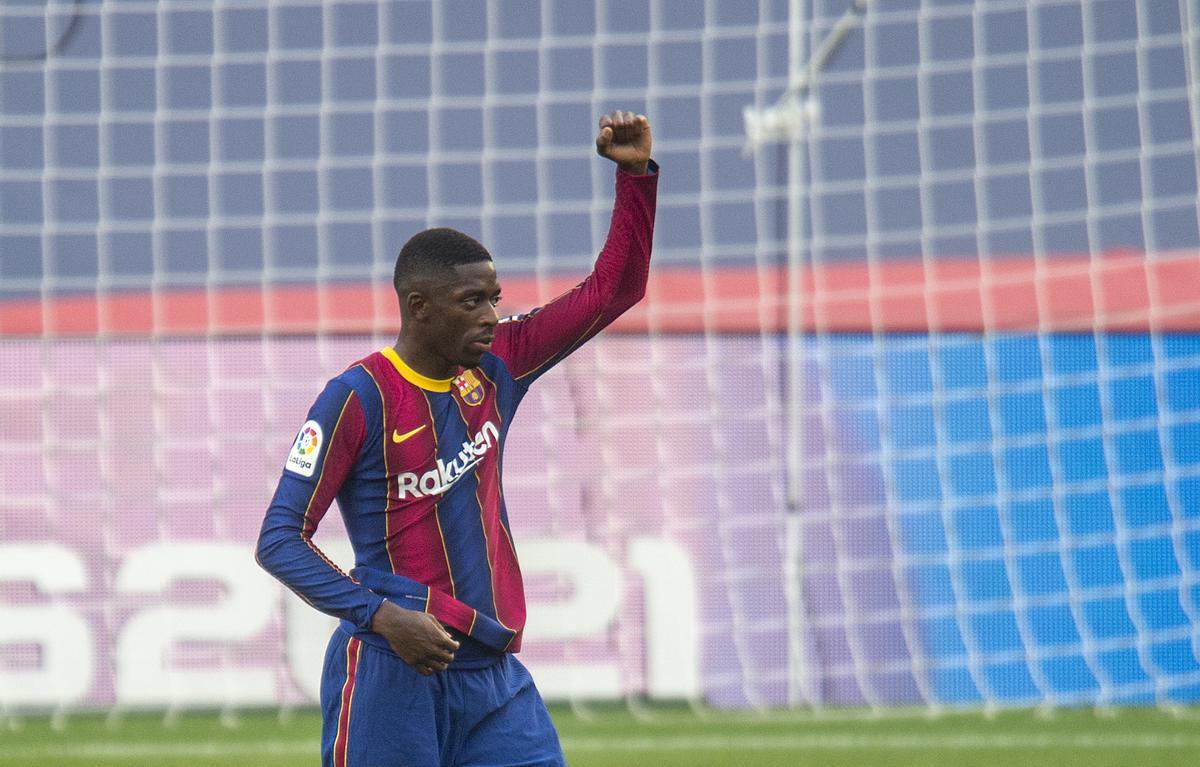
x: 532, y: 343
x: 321, y: 458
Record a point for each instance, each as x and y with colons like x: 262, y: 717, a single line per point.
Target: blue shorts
x: 378, y: 711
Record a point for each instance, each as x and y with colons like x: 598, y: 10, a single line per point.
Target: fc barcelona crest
x: 469, y: 388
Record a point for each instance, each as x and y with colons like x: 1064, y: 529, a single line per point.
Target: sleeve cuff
x: 374, y: 602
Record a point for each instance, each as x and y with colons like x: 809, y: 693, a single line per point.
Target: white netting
x: 910, y: 413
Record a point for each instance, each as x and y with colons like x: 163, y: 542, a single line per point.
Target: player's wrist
x: 386, y: 613
x: 635, y: 168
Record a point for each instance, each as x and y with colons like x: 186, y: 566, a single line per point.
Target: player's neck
x: 422, y: 361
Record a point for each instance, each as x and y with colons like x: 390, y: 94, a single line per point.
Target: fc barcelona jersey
x: 415, y: 462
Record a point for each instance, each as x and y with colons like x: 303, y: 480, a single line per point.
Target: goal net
x: 910, y: 414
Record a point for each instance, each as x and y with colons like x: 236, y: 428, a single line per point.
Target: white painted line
x: 644, y: 743
x: 856, y: 741
x: 163, y: 750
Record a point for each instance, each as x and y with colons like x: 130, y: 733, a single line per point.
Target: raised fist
x: 624, y: 138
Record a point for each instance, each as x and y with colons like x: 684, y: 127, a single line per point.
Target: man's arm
x: 320, y: 460
x: 532, y: 343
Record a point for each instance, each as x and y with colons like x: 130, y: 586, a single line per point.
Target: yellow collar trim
x: 412, y: 376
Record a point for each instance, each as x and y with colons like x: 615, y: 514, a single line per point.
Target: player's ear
x: 417, y: 304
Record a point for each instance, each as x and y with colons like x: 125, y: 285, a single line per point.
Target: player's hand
x: 418, y: 638
x: 624, y: 138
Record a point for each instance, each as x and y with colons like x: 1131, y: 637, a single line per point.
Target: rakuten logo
x: 439, y: 480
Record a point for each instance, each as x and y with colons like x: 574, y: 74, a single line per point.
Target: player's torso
x: 440, y: 444
x: 436, y: 440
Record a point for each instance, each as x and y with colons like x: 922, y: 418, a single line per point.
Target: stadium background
x: 963, y: 337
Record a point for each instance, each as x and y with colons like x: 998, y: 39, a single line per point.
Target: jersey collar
x: 412, y: 376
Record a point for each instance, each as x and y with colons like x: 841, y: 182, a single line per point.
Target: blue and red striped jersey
x: 415, y: 462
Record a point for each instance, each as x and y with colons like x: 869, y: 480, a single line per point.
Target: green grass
x: 659, y: 736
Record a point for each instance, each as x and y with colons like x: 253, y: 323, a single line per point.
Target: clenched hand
x: 624, y: 138
x: 418, y: 638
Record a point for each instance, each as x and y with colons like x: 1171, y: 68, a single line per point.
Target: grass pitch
x: 660, y: 737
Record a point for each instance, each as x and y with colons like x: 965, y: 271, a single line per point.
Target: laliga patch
x: 305, y: 450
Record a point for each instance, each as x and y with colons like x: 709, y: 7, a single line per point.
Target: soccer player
x: 421, y: 670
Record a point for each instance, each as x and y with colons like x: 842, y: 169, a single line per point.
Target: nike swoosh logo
x: 397, y: 437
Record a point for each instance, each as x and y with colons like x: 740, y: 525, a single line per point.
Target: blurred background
x: 909, y: 417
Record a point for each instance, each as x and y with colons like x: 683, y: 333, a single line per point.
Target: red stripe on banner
x: 1120, y: 290
x: 341, y: 742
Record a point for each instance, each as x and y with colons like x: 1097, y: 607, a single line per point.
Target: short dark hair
x: 433, y: 252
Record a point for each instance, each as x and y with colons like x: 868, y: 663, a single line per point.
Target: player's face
x: 466, y: 308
